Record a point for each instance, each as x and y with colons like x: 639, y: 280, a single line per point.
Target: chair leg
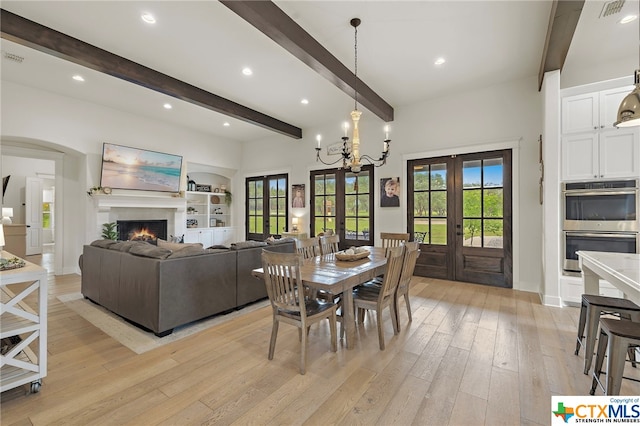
x: 393, y: 307
x: 593, y: 317
x: 632, y: 355
x: 406, y: 301
x: 597, y: 369
x: 274, y: 334
x: 380, y: 332
x: 581, y: 323
x: 334, y: 331
x: 303, y: 353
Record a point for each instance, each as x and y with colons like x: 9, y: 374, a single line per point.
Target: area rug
x: 135, y: 338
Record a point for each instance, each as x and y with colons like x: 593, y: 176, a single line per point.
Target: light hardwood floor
x: 472, y: 355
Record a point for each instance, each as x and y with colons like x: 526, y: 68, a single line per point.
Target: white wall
x: 79, y: 129
x: 473, y: 119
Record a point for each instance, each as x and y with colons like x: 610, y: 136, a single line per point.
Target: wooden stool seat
x: 592, y: 308
x: 617, y: 338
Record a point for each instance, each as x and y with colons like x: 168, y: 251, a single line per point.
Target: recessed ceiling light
x: 78, y: 77
x: 226, y: 124
x: 247, y: 71
x: 148, y: 18
x: 167, y: 106
x: 439, y: 61
x: 304, y: 101
x: 628, y: 18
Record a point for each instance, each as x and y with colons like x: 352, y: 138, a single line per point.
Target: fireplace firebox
x: 142, y: 230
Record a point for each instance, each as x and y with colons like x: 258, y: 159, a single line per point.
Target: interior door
x: 33, y: 215
x: 459, y: 208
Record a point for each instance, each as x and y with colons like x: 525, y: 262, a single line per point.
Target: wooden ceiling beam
x: 277, y: 25
x: 563, y: 21
x: 31, y: 34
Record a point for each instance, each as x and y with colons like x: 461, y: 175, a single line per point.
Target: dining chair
x: 411, y: 253
x: 290, y: 306
x: 392, y: 239
x: 329, y: 244
x: 308, y: 247
x: 377, y: 298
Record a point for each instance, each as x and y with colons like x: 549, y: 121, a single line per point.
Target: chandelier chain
x: 355, y: 68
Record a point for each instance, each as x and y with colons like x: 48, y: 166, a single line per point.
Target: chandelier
x: 350, y: 154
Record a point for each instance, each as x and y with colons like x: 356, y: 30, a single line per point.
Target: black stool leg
x: 583, y: 320
x: 597, y: 369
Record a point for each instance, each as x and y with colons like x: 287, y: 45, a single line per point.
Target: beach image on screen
x: 130, y: 168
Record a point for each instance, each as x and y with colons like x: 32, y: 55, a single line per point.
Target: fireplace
x: 142, y: 230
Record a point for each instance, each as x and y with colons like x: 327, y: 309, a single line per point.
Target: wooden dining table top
x: 328, y: 273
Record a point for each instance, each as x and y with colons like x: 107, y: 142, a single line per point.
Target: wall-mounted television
x: 124, y: 167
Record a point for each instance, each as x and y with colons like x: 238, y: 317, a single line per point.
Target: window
x: 266, y: 206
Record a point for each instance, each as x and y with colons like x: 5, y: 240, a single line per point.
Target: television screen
x: 132, y: 168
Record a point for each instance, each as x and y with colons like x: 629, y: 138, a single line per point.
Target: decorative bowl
x: 341, y: 255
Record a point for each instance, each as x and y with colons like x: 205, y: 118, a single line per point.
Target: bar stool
x: 593, y: 306
x: 617, y: 337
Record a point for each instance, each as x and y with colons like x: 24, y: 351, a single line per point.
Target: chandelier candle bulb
x: 386, y: 133
x: 345, y: 126
x: 318, y: 139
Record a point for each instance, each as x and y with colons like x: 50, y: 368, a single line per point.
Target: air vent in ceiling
x: 12, y: 57
x: 611, y: 8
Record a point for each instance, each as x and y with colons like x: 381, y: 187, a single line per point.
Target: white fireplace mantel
x: 107, y: 202
x: 174, y: 207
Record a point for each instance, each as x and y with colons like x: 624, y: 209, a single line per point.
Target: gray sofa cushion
x: 190, y: 250
x: 149, y: 250
x: 280, y: 240
x: 175, y: 246
x: 103, y: 243
x: 247, y: 244
x: 125, y: 246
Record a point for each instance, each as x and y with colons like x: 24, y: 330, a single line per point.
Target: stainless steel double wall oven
x: 599, y: 216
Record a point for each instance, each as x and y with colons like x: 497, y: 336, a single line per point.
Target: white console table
x: 25, y: 322
x: 622, y: 270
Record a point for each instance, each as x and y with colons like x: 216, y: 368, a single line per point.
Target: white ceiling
x: 207, y: 45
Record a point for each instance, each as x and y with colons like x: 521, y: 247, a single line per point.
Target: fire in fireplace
x: 142, y: 230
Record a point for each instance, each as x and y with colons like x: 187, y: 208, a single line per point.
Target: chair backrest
x: 329, y: 244
x: 411, y: 253
x: 308, y: 247
x: 391, y: 279
x: 391, y: 239
x: 281, y: 275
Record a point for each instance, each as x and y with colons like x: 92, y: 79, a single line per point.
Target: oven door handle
x: 600, y: 234
x: 590, y: 192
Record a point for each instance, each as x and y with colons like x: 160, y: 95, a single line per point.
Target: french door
x: 266, y: 206
x: 342, y: 201
x: 459, y: 208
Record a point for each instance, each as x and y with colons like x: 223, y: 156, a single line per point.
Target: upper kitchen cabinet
x: 592, y: 111
x: 607, y: 154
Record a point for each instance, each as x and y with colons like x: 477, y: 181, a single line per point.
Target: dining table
x: 335, y: 276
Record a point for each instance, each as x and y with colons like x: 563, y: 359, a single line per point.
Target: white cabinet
x: 223, y: 236
x: 203, y: 236
x: 602, y: 154
x: 592, y: 111
x: 23, y: 322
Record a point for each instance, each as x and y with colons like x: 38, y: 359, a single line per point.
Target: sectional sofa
x: 159, y: 288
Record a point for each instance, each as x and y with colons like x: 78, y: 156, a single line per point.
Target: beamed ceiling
x: 194, y: 54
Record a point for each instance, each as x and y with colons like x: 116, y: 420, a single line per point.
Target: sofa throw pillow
x: 103, y: 243
x: 218, y: 246
x: 176, y: 246
x: 247, y: 244
x: 190, y: 250
x: 125, y: 246
x: 281, y: 240
x: 149, y: 250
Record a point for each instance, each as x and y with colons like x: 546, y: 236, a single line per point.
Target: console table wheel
x: 35, y: 386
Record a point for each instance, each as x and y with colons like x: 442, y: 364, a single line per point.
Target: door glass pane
x: 439, y: 231
x: 350, y: 185
x: 363, y: 229
x: 252, y: 207
x: 471, y: 174
x: 493, y: 172
x: 363, y: 183
x: 319, y: 185
x: 259, y: 188
x: 421, y: 178
x: 363, y: 205
x: 472, y: 232
x: 493, y: 233
x: 350, y: 205
x: 439, y: 204
x: 420, y: 204
x: 493, y: 202
x: 252, y: 189
x: 421, y: 230
x: 438, y: 176
x: 471, y: 203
